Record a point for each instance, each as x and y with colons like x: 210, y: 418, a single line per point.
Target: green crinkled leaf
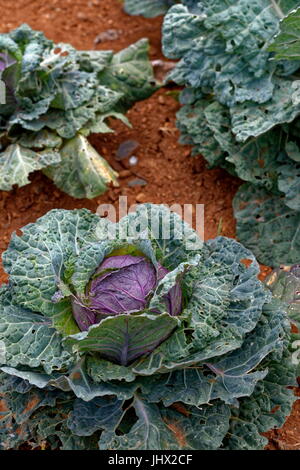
x: 102, y: 370
x: 94, y: 61
x: 194, y: 387
x: 41, y: 140
x: 180, y: 30
x: 100, y: 378
x: 28, y: 339
x: 194, y: 128
x: 67, y: 123
x: 98, y: 124
x: 36, y: 262
x: 284, y: 283
x: 98, y: 414
x: 31, y: 111
x: 252, y: 120
x: 17, y: 162
x: 122, y: 339
x: 148, y: 433
x: 82, y: 172
x: 38, y: 379
x: 8, y: 44
x: 269, y: 336
x: 267, y: 408
x: 173, y: 240
x: 286, y: 44
x: 267, y: 226
x: 289, y: 183
x: 148, y: 8
x: 225, y: 291
x: 131, y: 73
x: 255, y: 160
x: 263, y: 162
x: 74, y: 89
x: 203, y: 428
x: 164, y: 429
x: 87, y: 261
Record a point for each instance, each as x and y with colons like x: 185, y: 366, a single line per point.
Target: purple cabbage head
x: 123, y: 284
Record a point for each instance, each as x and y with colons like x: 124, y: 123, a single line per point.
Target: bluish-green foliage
x: 148, y: 8
x: 241, y: 108
x: 55, y: 97
x: 223, y: 357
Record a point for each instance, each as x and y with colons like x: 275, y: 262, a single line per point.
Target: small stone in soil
x: 137, y: 182
x: 124, y: 174
x: 126, y: 149
x: 141, y: 197
x: 133, y: 160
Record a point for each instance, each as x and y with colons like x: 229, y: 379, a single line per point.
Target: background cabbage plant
x: 148, y: 8
x: 55, y: 97
x: 241, y: 107
x: 138, y: 335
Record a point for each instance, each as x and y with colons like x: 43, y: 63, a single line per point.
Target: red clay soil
x: 172, y: 176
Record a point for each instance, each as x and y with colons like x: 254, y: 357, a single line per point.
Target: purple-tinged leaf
x: 124, y: 338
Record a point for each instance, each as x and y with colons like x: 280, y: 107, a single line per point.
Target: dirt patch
x: 170, y: 174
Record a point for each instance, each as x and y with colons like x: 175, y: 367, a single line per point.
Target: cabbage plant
x: 241, y: 109
x: 138, y: 335
x: 55, y: 97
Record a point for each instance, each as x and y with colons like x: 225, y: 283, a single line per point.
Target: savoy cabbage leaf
x: 241, y: 108
x: 267, y: 226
